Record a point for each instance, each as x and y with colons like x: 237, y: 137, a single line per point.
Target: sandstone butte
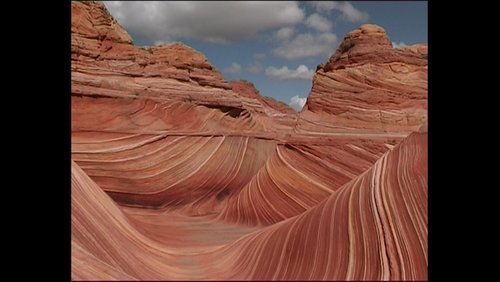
x: 179, y: 174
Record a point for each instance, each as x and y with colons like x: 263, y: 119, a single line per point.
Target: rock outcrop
x: 179, y: 174
x: 247, y: 89
x: 372, y: 228
x: 150, y: 80
x: 368, y: 86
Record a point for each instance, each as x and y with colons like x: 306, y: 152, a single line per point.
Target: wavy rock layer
x: 297, y: 177
x: 247, y: 89
x: 153, y: 88
x: 161, y: 170
x: 251, y: 180
x: 374, y: 227
x: 283, y: 116
x: 178, y: 174
x: 368, y: 86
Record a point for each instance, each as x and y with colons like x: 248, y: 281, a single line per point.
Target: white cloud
x: 234, y: 68
x: 398, y: 45
x: 323, y: 6
x: 307, y: 45
x: 254, y: 67
x: 283, y: 73
x: 347, y: 9
x: 352, y: 14
x: 297, y: 103
x: 259, y: 56
x: 210, y: 21
x: 319, y: 23
x: 284, y: 33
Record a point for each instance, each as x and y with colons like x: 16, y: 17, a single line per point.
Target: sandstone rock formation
x: 368, y: 86
x: 165, y: 87
x: 372, y: 228
x: 247, y: 89
x: 179, y: 174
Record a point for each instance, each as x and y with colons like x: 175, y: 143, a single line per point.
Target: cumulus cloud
x: 283, y: 73
x: 318, y: 23
x: 209, y: 21
x: 284, y: 33
x: 398, y: 45
x: 297, y: 103
x: 323, y: 6
x: 352, y: 14
x: 348, y: 11
x: 307, y: 45
x: 234, y: 68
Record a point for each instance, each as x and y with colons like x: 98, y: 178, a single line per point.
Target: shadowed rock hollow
x: 180, y: 174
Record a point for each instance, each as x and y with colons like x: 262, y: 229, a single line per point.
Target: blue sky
x: 275, y: 45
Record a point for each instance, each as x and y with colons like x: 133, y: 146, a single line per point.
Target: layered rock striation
x: 179, y: 174
x: 159, y: 85
x: 368, y: 86
x: 372, y: 228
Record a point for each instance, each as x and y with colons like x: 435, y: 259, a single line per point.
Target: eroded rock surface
x: 180, y: 174
x: 368, y: 86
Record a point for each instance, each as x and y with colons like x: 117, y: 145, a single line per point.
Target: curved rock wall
x: 178, y: 174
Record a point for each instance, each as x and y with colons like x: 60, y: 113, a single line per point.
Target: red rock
x: 297, y: 177
x: 106, y: 64
x: 179, y: 174
x: 372, y: 228
x: 368, y: 86
x: 247, y: 89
